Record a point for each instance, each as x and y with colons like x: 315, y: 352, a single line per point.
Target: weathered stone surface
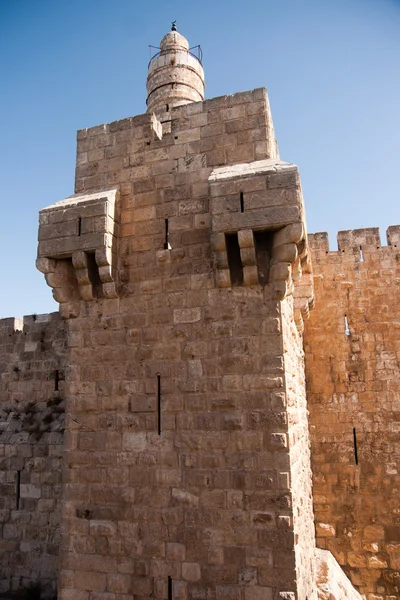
x: 331, y: 581
x: 33, y: 359
x: 352, y: 371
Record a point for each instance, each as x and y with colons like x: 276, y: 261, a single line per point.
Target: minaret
x: 175, y: 76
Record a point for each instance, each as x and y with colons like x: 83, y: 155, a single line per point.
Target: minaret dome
x: 175, y: 76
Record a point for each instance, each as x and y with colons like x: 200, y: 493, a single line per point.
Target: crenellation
x: 350, y: 242
x: 358, y: 238
x: 393, y: 236
x: 10, y: 325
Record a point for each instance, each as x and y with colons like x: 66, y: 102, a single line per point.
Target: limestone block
x: 218, y: 242
x: 356, y: 238
x: 258, y: 593
x: 269, y: 217
x: 245, y: 238
x: 281, y: 271
x: 293, y: 233
x: 285, y: 253
x: 281, y: 289
x: 221, y: 260
x: 278, y: 440
x: 157, y: 127
x: 331, y: 580
x: 30, y: 491
x: 191, y: 571
x: 248, y: 256
x: 185, y: 498
x: 223, y: 278
x: 325, y: 530
x: 393, y: 236
x: 187, y: 315
x: 250, y: 275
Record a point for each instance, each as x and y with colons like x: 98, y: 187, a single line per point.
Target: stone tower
x: 181, y: 267
x: 175, y: 76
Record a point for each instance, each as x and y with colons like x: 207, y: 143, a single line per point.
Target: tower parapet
x: 175, y: 76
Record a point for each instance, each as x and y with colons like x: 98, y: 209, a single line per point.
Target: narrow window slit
x: 167, y: 245
x: 234, y: 259
x: 167, y: 107
x: 169, y: 587
x: 361, y: 255
x: 56, y: 380
x: 159, y: 403
x: 18, y: 490
x: 263, y: 241
x: 355, y: 445
x: 241, y: 202
x: 346, y: 325
x: 79, y: 226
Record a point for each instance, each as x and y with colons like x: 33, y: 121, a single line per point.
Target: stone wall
x: 352, y: 351
x: 32, y: 368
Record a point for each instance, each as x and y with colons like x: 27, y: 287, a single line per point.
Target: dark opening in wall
x: 167, y: 107
x: 93, y: 272
x: 167, y: 245
x: 346, y: 325
x: 18, y: 489
x: 234, y: 259
x: 159, y: 403
x: 56, y: 380
x: 263, y: 241
x: 355, y: 445
x: 241, y: 202
x: 169, y: 587
x: 79, y: 226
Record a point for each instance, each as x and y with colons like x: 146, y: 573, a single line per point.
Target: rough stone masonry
x: 184, y: 277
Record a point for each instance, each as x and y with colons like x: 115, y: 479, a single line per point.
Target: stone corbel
x: 284, y: 262
x: 291, y: 270
x: 107, y: 272
x: 248, y: 256
x: 80, y: 262
x: 60, y: 276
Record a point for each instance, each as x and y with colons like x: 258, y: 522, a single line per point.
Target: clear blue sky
x: 331, y: 68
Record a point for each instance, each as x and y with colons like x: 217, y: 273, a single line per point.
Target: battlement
x: 355, y: 240
x: 11, y: 325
